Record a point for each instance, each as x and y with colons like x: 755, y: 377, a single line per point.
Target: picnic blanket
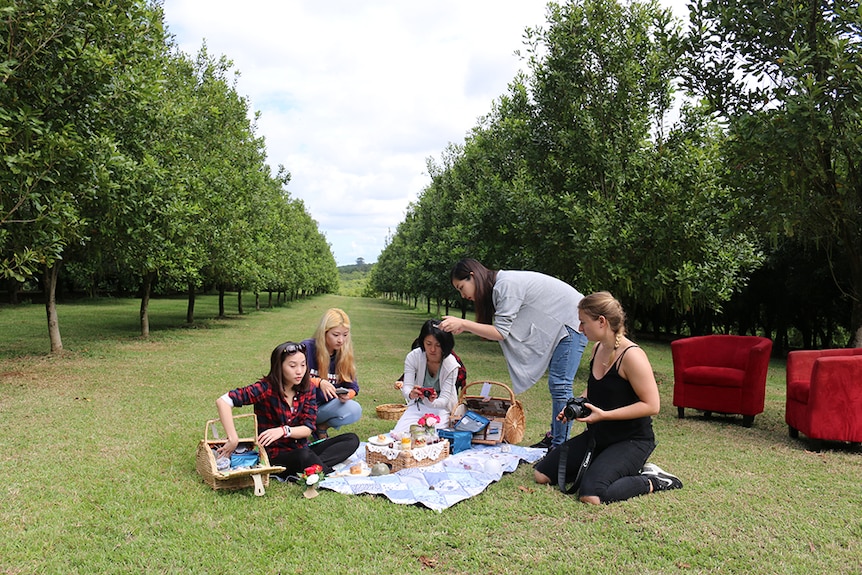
x: 437, y: 486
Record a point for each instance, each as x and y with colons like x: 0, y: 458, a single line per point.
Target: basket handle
x: 210, y: 422
x: 463, y: 393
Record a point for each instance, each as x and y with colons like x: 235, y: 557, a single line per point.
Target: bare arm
x: 225, y: 415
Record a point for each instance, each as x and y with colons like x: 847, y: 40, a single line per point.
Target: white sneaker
x: 664, y: 481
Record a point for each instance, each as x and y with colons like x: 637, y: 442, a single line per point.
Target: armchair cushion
x: 719, y: 376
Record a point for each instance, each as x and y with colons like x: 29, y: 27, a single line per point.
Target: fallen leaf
x: 427, y: 561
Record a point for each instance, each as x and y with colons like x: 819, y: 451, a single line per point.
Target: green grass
x: 98, y: 448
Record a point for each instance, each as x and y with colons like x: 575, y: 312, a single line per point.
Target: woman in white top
x: 430, y: 372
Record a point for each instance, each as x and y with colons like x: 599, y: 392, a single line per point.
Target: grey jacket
x: 532, y: 311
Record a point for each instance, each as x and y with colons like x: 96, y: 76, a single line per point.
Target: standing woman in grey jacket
x: 535, y: 318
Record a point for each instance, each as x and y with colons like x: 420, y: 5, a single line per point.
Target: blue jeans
x: 335, y: 413
x: 561, y: 375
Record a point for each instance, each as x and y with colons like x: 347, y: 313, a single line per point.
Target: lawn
x: 98, y: 474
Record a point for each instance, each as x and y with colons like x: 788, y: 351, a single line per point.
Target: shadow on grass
x: 91, y: 322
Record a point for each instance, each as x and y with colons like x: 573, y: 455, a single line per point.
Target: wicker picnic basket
x: 391, y: 410
x: 406, y: 459
x: 506, y: 412
x: 257, y: 476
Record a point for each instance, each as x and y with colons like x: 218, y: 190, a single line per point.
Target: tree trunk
x: 221, y: 302
x: 257, y: 301
x: 51, y: 307
x: 239, y: 301
x: 146, y: 289
x: 190, y: 310
x: 14, y: 290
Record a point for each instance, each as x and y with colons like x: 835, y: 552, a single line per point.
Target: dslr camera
x: 575, y: 408
x: 426, y: 391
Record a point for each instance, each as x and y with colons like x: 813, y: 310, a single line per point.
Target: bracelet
x: 286, y: 430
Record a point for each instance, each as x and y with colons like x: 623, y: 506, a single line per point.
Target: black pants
x: 327, y: 453
x: 613, y: 475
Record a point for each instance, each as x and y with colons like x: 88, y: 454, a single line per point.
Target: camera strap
x: 585, y: 463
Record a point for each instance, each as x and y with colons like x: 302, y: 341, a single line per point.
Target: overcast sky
x: 356, y: 95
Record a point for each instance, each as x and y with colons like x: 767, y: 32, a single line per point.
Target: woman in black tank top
x: 622, y: 396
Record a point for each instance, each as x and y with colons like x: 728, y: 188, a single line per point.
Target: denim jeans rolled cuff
x: 561, y: 374
x: 335, y: 413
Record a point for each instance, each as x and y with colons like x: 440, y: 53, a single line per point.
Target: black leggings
x: 327, y: 453
x: 613, y: 474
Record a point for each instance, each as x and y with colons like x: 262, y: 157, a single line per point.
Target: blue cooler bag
x: 458, y: 440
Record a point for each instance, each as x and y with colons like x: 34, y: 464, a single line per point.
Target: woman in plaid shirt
x: 286, y: 409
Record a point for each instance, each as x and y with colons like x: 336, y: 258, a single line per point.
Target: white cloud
x: 354, y: 96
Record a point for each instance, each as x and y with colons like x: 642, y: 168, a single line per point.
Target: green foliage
x: 786, y: 78
x: 133, y: 163
x: 69, y: 78
x: 572, y: 174
x: 353, y: 279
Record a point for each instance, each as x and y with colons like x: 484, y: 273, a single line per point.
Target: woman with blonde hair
x: 333, y: 369
x: 608, y: 461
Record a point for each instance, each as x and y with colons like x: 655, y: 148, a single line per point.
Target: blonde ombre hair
x: 603, y: 304
x: 345, y: 366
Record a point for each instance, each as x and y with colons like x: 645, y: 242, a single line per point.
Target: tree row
x: 128, y: 165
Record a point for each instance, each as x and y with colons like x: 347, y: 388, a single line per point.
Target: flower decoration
x: 312, y: 475
x: 429, y: 420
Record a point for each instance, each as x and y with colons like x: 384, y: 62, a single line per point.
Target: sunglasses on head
x: 292, y: 348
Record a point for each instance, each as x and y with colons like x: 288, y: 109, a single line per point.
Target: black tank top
x: 611, y: 392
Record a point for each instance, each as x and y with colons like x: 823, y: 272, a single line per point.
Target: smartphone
x: 342, y: 391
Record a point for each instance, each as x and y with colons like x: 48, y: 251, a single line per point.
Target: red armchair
x: 721, y: 373
x: 824, y: 395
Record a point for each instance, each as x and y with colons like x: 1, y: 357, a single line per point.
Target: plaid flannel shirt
x: 272, y: 410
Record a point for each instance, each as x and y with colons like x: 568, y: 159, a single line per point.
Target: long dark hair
x: 484, y: 280
x: 444, y: 338
x: 275, y: 377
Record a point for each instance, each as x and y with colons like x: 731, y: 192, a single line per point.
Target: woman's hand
x: 454, y: 325
x: 595, y: 415
x: 399, y: 384
x: 328, y: 389
x: 269, y: 435
x: 227, y: 447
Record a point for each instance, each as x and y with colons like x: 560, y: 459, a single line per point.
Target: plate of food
x: 380, y: 439
x: 357, y: 469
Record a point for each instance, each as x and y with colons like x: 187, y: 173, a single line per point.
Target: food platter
x: 375, y: 440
